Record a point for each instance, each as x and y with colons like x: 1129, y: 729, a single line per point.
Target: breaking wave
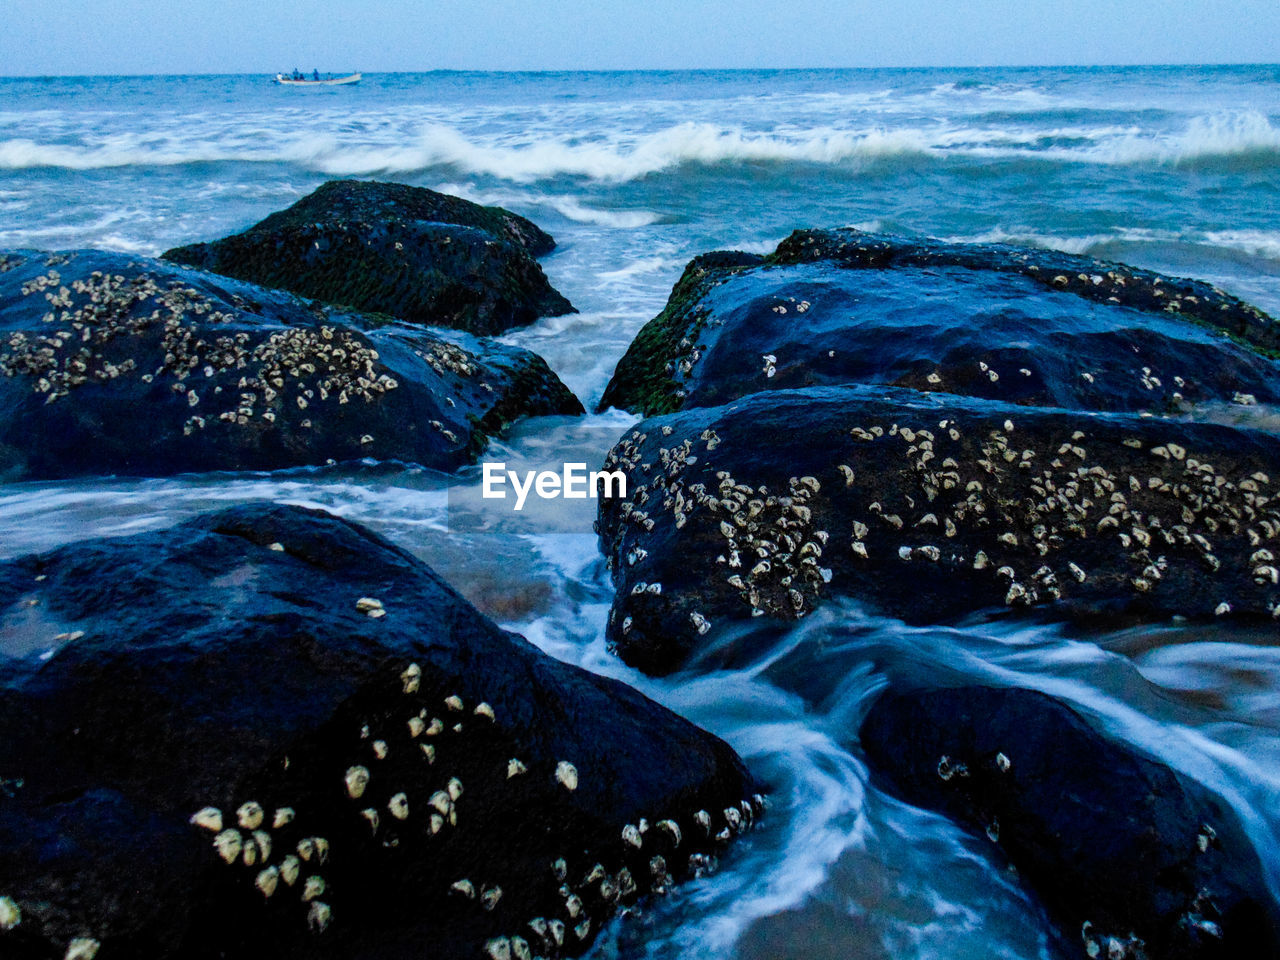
x: 1264, y: 244
x: 624, y: 219
x: 1246, y: 137
x: 439, y: 146
x: 616, y: 160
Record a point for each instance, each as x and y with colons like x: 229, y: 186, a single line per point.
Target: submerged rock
x: 408, y: 252
x: 1130, y: 856
x: 840, y: 307
x: 930, y: 507
x: 269, y: 733
x: 117, y: 364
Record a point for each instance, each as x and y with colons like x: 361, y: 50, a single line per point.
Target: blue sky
x: 260, y: 36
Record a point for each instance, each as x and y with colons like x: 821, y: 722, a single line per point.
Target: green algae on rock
x: 408, y: 252
x: 117, y: 364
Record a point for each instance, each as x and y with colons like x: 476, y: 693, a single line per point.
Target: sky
x: 71, y: 37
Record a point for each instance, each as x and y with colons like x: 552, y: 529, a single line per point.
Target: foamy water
x: 634, y: 174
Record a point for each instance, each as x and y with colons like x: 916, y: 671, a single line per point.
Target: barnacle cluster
x: 1177, y: 392
x: 274, y: 863
x: 444, y: 356
x: 243, y: 375
x: 1060, y: 497
x: 1200, y: 919
x: 686, y: 356
x: 772, y: 549
x: 400, y: 784
x: 1036, y: 501
x: 1056, y: 516
x: 643, y: 863
x: 84, y: 319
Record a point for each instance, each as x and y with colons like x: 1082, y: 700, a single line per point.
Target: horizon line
x: 637, y: 70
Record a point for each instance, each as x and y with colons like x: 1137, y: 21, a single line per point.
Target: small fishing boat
x: 304, y: 81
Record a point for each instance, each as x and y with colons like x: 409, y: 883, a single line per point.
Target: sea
x: 1171, y: 168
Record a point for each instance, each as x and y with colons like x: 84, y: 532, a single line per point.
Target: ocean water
x: 1176, y: 169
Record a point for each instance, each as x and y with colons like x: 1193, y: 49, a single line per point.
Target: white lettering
x: 548, y: 484
x: 575, y: 481
x: 493, y: 475
x: 521, y: 492
x: 610, y: 478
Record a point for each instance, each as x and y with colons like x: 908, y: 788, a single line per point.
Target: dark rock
x: 930, y: 507
x: 408, y: 252
x: 116, y: 364
x: 227, y: 661
x: 379, y: 202
x: 1025, y: 326
x: 1120, y: 847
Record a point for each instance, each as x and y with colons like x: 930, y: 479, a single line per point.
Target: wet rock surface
x: 408, y: 252
x: 118, y: 364
x: 1133, y: 858
x: 1035, y: 327
x: 269, y: 733
x: 930, y: 507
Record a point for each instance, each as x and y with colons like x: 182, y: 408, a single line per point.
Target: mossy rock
x: 421, y: 256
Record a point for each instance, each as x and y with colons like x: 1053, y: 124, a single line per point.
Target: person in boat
x: 296, y: 74
x: 315, y: 74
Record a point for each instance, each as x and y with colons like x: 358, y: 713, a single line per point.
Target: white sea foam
x: 566, y: 205
x: 1034, y: 238
x: 636, y: 268
x: 761, y: 247
x: 1218, y: 135
x: 617, y: 153
x: 123, y: 243
x: 623, y: 219
x: 1258, y: 243
x: 112, y: 230
x: 436, y: 145
x: 21, y: 154
x: 616, y: 160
